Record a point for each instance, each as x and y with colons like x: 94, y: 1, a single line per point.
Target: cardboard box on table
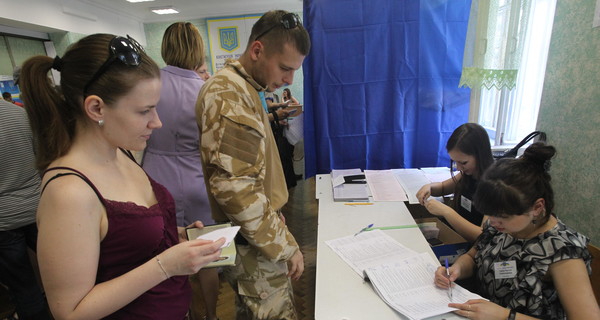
x: 453, y: 245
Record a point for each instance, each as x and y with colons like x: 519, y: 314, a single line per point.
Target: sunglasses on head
x: 288, y: 21
x: 126, y: 50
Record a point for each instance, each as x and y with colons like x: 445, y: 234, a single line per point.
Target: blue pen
x: 363, y: 229
x: 448, y: 274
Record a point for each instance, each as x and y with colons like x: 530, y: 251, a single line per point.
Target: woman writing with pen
x: 527, y: 262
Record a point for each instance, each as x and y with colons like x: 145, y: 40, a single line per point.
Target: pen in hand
x: 363, y: 229
x: 450, y: 282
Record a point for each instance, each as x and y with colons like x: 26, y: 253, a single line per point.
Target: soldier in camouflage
x: 243, y: 171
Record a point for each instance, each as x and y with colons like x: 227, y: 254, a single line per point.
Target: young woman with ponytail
x: 108, y: 243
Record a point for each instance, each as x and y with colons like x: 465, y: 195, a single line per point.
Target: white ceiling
x: 193, y: 9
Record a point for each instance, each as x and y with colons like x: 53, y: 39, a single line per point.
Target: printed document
x: 437, y: 174
x: 411, y: 180
x: 369, y: 249
x: 384, y: 186
x: 407, y: 286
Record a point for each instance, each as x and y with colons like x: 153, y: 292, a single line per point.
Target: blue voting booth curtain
x: 381, y: 82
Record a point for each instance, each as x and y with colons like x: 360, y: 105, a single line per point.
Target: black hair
x: 472, y: 140
x: 511, y: 186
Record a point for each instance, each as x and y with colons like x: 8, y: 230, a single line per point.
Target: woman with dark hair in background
x: 287, y: 96
x: 172, y: 157
x: 526, y: 262
x: 108, y: 242
x: 469, y: 148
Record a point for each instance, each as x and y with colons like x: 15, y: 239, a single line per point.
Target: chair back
x: 595, y: 277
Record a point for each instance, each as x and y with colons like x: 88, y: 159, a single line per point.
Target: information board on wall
x: 227, y: 38
x: 8, y: 85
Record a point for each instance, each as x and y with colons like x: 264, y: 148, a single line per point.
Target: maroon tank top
x: 135, y: 235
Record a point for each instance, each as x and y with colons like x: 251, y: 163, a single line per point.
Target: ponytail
x: 51, y: 123
x: 56, y: 115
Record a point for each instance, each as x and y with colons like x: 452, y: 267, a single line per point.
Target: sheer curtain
x: 505, y: 61
x: 495, y: 40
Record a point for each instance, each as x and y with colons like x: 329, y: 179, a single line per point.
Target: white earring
x: 101, y: 122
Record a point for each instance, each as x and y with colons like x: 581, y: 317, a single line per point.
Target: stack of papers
x: 402, y: 277
x: 384, y: 186
x: 348, y: 192
x: 413, y: 179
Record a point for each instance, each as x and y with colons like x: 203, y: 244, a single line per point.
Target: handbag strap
x: 513, y: 152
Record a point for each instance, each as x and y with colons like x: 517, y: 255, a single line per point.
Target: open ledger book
x: 228, y: 252
x: 402, y: 277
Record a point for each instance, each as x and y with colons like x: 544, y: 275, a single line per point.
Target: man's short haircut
x: 274, y: 35
x: 6, y: 95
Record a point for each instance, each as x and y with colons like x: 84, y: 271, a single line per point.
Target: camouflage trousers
x: 263, y: 290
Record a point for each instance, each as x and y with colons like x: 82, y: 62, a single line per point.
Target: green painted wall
x: 21, y: 48
x: 570, y: 115
x: 154, y: 33
x: 6, y: 67
x: 62, y: 40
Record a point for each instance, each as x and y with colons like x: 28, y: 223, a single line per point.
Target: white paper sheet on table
x: 384, y: 186
x: 407, y: 286
x: 369, y: 249
x: 411, y: 180
x: 437, y: 174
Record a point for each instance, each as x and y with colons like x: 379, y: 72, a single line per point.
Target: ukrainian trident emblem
x: 229, y: 38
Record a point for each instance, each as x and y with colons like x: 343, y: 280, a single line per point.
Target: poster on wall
x: 8, y: 85
x: 227, y: 38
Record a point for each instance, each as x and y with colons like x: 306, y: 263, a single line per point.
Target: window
x: 509, y: 115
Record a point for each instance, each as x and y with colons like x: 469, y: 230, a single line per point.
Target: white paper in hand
x: 227, y: 233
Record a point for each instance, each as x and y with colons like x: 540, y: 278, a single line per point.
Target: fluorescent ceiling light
x: 164, y: 10
x: 134, y: 1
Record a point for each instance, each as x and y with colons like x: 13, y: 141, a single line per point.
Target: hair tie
x: 547, y: 165
x: 57, y: 64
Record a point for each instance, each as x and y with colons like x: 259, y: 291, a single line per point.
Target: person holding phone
x: 286, y: 150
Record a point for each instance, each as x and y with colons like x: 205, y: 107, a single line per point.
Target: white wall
x: 70, y: 15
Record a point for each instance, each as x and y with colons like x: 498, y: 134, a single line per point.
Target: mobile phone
x: 434, y: 241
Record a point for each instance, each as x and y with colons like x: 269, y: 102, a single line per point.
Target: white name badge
x: 505, y: 269
x: 465, y: 203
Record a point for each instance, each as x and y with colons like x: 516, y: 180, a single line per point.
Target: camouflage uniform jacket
x: 241, y: 162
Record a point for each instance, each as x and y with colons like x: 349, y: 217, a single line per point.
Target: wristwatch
x: 512, y: 315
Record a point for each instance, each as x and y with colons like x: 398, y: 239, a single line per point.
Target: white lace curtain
x: 494, y: 44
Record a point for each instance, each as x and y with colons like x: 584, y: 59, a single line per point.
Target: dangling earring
x: 101, y: 122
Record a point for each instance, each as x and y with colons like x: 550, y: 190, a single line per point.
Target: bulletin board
x: 227, y: 37
x: 8, y: 85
